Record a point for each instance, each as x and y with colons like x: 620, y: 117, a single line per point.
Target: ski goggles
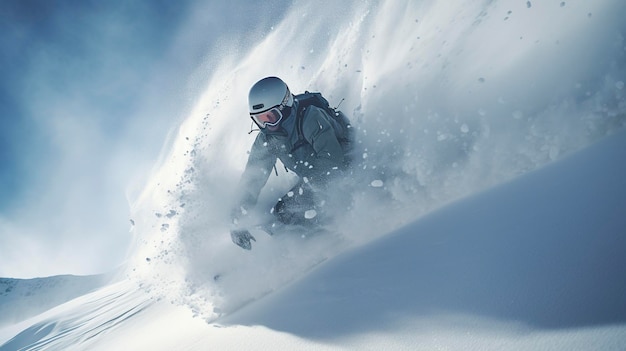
x: 269, y: 118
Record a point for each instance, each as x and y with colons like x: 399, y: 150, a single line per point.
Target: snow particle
x: 528, y: 4
x: 464, y: 128
x: 310, y: 214
x: 562, y: 3
x: 377, y: 183
x: 619, y: 85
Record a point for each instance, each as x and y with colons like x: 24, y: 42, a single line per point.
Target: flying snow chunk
x: 464, y: 128
x: 377, y: 183
x: 310, y: 214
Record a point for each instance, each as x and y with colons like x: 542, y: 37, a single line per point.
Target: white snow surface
x: 487, y: 199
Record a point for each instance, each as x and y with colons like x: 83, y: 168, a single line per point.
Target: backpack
x: 338, y: 120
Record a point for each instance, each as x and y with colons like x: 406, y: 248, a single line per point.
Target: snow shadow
x: 545, y: 251
x: 30, y: 336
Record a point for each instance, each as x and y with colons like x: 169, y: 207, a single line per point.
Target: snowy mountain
x: 487, y: 198
x: 23, y: 298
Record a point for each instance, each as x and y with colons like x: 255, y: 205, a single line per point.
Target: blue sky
x: 56, y: 52
x: 75, y: 79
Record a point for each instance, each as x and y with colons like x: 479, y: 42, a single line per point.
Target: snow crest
x: 443, y: 108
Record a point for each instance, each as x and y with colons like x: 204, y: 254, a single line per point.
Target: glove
x: 242, y: 238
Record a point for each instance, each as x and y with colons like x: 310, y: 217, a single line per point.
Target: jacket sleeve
x: 254, y: 177
x: 329, y: 156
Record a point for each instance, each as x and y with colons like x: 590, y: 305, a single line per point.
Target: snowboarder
x: 309, y: 138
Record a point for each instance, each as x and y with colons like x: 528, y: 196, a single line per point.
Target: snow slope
x: 536, y: 263
x: 544, y: 252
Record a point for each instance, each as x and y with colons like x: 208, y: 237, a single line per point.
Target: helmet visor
x: 269, y: 118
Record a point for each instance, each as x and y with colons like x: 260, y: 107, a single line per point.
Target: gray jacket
x: 320, y: 156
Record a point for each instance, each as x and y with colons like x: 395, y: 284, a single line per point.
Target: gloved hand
x: 242, y: 238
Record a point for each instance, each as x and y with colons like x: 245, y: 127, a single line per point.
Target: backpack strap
x: 299, y: 122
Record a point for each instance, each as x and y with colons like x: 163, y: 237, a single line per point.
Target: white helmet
x: 267, y: 93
